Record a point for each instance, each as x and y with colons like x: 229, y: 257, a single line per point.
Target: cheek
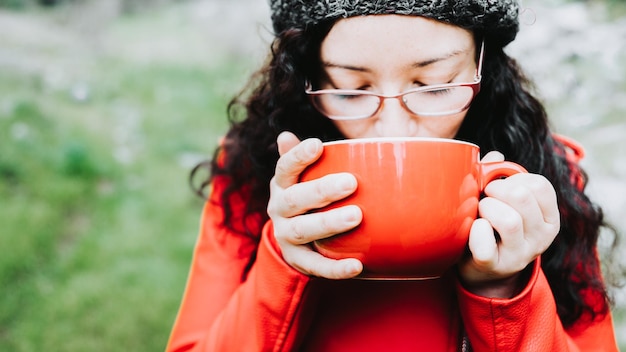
x: 448, y: 126
x: 439, y: 127
x: 356, y: 128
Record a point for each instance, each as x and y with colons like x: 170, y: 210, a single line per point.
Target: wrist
x: 504, y: 288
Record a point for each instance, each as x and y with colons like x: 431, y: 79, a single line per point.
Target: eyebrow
x: 345, y: 67
x: 418, y: 64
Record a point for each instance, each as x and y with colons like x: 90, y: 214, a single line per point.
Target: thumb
x: 483, y: 244
x: 286, y: 141
x: 493, y: 156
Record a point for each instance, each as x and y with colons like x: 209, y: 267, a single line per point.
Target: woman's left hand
x: 518, y: 220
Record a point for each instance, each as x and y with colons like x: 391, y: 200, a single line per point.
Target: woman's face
x: 389, y: 54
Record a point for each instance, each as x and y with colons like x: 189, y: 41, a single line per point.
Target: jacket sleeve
x: 223, y: 311
x: 529, y: 322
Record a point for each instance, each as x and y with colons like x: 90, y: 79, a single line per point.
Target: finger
x: 505, y: 220
x: 291, y: 164
x: 545, y: 196
x: 493, y: 156
x: 315, y: 226
x: 286, y: 141
x: 532, y: 196
x: 516, y: 248
x: 315, y: 194
x: 483, y: 244
x: 312, y: 263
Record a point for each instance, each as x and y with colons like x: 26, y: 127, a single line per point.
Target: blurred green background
x: 105, y: 106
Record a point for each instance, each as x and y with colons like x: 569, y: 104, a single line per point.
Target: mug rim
x: 398, y: 139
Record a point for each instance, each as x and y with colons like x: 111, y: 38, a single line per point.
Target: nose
x: 394, y: 120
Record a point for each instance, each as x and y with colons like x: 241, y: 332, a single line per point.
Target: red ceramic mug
x: 419, y: 197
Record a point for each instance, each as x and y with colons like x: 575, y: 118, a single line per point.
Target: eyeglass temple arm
x: 479, y: 70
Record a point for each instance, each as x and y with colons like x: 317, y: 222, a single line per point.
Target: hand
x: 294, y: 228
x: 523, y: 210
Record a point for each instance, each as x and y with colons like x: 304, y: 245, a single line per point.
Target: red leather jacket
x: 272, y: 307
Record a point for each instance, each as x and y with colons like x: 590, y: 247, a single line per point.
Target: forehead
x: 393, y: 38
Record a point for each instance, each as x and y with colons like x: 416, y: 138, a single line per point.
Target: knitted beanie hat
x: 496, y: 19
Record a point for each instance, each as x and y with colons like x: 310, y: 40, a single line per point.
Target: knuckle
x: 272, y: 207
x: 297, y: 232
x: 335, y: 186
x: 520, y: 195
x: 273, y: 185
x: 300, y: 156
x: 512, y: 223
x: 541, y: 184
x: 486, y: 202
x: 321, y: 224
x: 271, y: 210
x: 282, y: 166
x: 290, y: 199
x: 325, y: 226
x: 320, y: 192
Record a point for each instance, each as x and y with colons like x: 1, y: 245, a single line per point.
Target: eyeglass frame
x: 382, y: 97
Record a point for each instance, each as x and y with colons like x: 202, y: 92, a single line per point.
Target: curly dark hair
x: 504, y: 116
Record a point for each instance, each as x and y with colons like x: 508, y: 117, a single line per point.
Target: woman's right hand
x: 294, y: 228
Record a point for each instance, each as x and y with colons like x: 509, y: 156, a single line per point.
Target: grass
x: 98, y: 221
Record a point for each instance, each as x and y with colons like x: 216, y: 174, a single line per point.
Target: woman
x: 532, y: 279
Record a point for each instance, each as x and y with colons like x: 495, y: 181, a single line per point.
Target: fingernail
x: 353, y: 268
x: 346, y: 183
x: 350, y: 214
x: 311, y: 147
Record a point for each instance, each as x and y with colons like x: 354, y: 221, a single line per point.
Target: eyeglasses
x: 433, y: 100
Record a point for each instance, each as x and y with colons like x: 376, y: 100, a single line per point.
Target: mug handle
x: 498, y: 169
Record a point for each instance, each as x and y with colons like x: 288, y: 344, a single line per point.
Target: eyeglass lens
x: 436, y: 101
